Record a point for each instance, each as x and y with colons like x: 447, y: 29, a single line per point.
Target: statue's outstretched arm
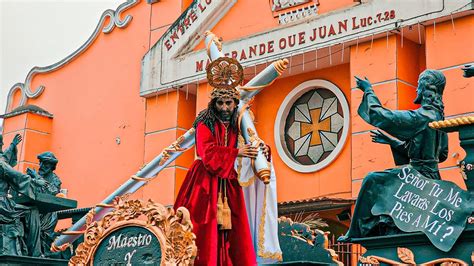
x: 403, y: 125
x: 11, y: 152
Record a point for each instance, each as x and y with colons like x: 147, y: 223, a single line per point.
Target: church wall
x: 292, y: 185
x: 35, y: 130
x: 95, y: 103
x: 168, y: 116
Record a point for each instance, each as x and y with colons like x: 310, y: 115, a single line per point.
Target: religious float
x: 255, y: 176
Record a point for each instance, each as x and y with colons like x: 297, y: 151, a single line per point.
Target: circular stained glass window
x: 312, y: 125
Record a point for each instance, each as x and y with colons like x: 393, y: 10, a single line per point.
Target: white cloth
x: 262, y: 211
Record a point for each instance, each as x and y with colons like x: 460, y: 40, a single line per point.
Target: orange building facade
x: 138, y: 82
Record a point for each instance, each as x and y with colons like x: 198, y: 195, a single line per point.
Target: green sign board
x: 437, y: 208
x: 130, y: 245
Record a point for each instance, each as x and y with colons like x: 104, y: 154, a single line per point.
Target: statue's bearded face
x: 225, y: 108
x: 45, y: 167
x: 419, y: 91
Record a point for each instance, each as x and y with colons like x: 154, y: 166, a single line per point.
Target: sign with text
x: 173, y: 60
x: 437, y: 208
x: 280, y: 43
x: 130, y: 245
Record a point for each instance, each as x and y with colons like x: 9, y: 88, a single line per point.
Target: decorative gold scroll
x: 174, y: 147
x: 173, y: 230
x: 217, y: 41
x: 281, y: 65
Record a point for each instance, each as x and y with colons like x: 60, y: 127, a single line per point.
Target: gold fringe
x: 247, y: 183
x: 226, y: 220
x: 226, y: 216
x: 261, y: 234
x: 219, y: 209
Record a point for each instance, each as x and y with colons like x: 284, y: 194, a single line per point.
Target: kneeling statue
x: 412, y: 142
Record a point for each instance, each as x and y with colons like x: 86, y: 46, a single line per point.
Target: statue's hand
x: 363, y: 84
x: 266, y: 150
x: 380, y: 137
x: 468, y: 71
x: 30, y: 172
x: 17, y: 139
x: 248, y: 151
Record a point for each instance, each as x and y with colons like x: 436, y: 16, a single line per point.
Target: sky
x: 41, y: 33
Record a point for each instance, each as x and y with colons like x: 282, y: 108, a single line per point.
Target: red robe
x: 198, y: 194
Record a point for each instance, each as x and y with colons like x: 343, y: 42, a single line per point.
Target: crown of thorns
x: 224, y: 74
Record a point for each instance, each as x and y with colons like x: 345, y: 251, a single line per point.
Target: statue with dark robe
x: 15, y: 219
x: 412, y: 142
x: 52, y: 186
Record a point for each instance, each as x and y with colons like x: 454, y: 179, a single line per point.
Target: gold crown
x: 224, y: 75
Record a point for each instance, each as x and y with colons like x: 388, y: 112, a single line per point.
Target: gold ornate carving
x: 173, y: 230
x: 369, y: 260
x: 408, y: 258
x: 406, y: 255
x: 63, y: 247
x: 248, y: 182
x: 225, y: 73
x: 264, y: 175
x: 460, y: 121
x: 253, y: 138
x: 281, y: 65
x: 103, y: 205
x: 174, y: 147
x: 143, y: 179
x: 261, y: 234
x: 73, y: 233
x: 217, y: 41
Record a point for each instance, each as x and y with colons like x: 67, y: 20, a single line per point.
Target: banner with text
x: 437, y: 208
